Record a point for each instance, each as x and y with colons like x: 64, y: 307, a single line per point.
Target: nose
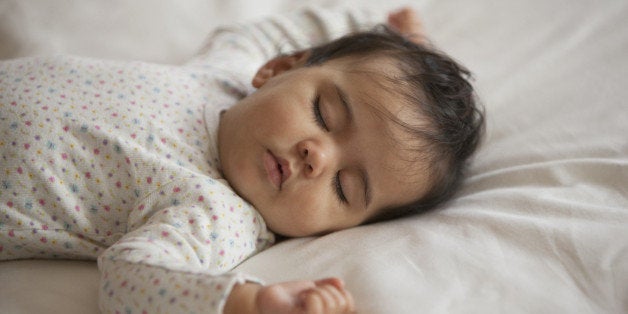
x: 315, y: 156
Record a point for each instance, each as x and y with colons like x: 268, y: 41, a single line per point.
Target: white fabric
x: 541, y: 226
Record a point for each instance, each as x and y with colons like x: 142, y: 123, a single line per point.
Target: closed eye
x: 338, y: 189
x: 318, y: 116
x: 320, y: 121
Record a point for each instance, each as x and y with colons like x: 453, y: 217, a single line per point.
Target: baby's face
x: 309, y: 152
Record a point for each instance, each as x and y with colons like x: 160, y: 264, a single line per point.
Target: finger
x: 341, y: 293
x: 403, y: 15
x: 328, y: 296
x: 312, y: 301
x: 406, y: 22
x: 334, y: 281
x: 336, y: 300
x: 350, y: 301
x: 395, y: 20
x: 402, y: 10
x: 340, y: 287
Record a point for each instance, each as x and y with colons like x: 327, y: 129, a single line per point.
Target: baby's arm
x: 182, y: 244
x: 321, y: 296
x: 239, y: 50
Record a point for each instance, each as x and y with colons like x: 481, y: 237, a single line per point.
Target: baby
x: 172, y: 176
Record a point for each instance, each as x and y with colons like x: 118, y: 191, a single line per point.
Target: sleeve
x: 178, y: 259
x: 240, y: 49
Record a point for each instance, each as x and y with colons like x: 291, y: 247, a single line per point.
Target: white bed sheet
x: 541, y: 225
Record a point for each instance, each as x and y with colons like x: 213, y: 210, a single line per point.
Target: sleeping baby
x: 171, y: 176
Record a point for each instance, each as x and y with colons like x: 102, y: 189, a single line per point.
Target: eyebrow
x: 344, y: 100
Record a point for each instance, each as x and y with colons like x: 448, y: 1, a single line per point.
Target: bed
x: 541, y: 223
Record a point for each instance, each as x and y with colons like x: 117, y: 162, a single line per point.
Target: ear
x: 277, y: 66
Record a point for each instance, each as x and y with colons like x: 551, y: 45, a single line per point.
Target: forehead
x: 391, y: 153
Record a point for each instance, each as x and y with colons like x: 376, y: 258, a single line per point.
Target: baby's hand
x: 294, y: 297
x: 321, y: 296
x: 407, y: 23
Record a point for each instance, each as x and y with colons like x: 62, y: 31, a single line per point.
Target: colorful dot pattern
x: 118, y: 161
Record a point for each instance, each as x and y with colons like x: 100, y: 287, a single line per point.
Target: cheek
x: 307, y: 213
x: 278, y: 115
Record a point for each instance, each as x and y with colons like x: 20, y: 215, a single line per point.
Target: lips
x: 277, y: 169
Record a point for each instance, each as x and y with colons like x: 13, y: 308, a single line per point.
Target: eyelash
x: 320, y: 121
x: 338, y: 188
x: 318, y: 117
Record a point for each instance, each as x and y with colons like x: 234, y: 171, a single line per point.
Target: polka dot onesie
x: 118, y: 161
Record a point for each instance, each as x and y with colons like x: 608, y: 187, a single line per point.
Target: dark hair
x: 440, y: 89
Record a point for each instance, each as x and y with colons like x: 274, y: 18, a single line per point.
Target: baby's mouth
x: 277, y: 169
